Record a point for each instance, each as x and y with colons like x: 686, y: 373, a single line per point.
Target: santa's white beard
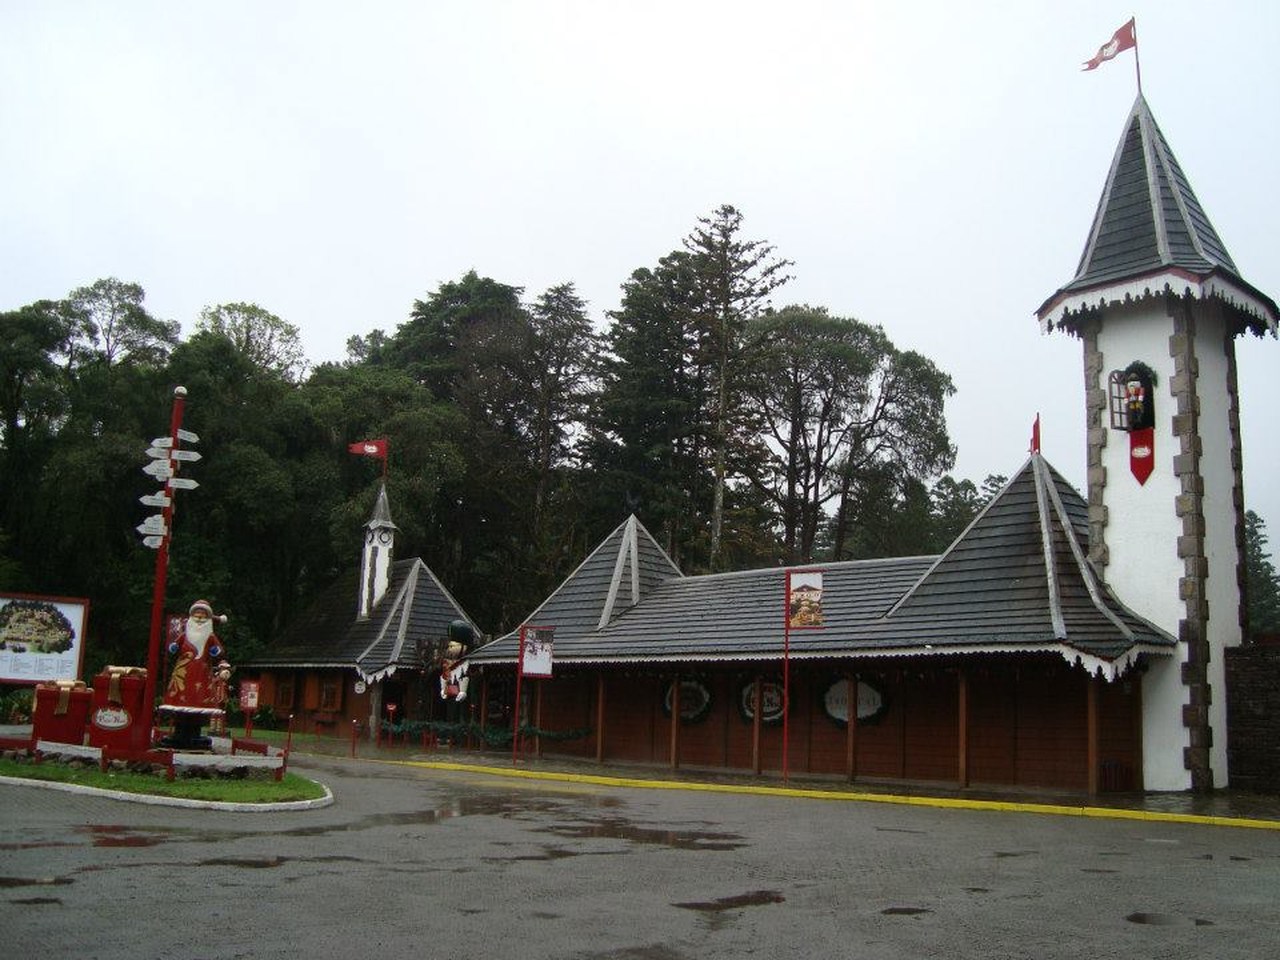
x: 198, y: 634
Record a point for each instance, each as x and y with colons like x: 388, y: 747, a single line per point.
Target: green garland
x: 490, y: 736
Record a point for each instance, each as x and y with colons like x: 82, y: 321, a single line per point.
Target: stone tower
x: 1157, y: 303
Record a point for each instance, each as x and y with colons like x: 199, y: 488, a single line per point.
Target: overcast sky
x: 932, y: 167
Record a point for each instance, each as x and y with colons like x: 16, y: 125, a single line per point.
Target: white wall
x: 1142, y: 536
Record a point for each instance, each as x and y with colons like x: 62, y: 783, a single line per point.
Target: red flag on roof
x: 370, y: 448
x: 1035, y: 435
x: 1125, y: 38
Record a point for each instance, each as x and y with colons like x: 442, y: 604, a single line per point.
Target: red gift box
x: 62, y: 712
x: 117, y: 719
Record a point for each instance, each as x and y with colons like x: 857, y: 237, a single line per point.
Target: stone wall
x: 1253, y: 712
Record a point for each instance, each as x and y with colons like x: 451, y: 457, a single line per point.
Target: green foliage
x: 16, y: 705
x: 1263, y: 589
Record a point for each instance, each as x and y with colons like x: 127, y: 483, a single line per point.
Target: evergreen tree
x: 1263, y: 589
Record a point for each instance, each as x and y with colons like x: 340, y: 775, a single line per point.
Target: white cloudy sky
x: 930, y: 166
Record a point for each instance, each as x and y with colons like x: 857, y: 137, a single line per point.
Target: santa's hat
x: 201, y: 605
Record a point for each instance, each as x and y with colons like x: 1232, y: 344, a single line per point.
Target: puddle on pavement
x: 905, y: 911
x: 1166, y: 920
x: 1097, y: 870
x: 621, y: 830
x: 753, y: 899
x: 8, y: 882
x: 1003, y: 854
x: 36, y: 901
x: 118, y: 836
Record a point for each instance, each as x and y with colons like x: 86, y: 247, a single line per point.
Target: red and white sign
x: 248, y: 696
x: 1142, y: 453
x: 536, y: 651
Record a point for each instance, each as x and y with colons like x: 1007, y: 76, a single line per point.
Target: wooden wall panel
x: 931, y: 746
x: 993, y: 717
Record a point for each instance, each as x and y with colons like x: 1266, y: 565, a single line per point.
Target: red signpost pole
x: 786, y: 674
x: 161, y: 578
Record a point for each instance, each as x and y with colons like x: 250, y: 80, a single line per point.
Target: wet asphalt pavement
x: 414, y: 862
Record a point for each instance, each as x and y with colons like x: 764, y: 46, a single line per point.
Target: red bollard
x: 355, y: 728
x: 288, y: 740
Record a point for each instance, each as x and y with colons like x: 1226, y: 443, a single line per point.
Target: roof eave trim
x: 1110, y: 669
x: 1064, y: 306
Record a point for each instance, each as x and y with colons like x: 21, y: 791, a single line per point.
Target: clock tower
x: 375, y: 560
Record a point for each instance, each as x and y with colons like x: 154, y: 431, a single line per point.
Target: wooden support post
x: 756, y: 762
x: 675, y: 722
x: 600, y: 717
x: 962, y: 703
x: 1091, y: 710
x: 851, y: 728
x: 537, y: 719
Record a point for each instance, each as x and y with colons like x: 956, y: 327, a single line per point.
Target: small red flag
x: 370, y: 448
x: 1035, y: 435
x: 1123, y: 39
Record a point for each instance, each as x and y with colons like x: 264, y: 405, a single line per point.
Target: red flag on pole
x: 370, y: 448
x: 1035, y: 435
x: 1125, y: 38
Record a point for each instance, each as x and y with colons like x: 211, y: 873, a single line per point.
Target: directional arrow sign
x: 155, y: 500
x: 153, y: 542
x: 182, y: 483
x: 160, y: 469
x: 189, y: 455
x: 162, y: 442
x: 160, y: 453
x: 154, y: 524
x: 186, y: 436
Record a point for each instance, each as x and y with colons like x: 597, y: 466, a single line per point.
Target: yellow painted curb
x: 945, y: 803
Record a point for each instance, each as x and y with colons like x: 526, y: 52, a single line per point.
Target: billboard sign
x: 41, y: 638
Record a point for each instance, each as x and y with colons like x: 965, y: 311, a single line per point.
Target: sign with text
x: 248, y: 696
x: 804, y: 599
x: 41, y: 638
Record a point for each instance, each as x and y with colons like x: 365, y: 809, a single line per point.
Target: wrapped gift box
x: 117, y: 718
x: 61, y: 711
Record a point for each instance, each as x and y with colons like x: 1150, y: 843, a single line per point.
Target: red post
x: 355, y: 728
x: 786, y: 674
x: 288, y: 740
x: 162, y: 575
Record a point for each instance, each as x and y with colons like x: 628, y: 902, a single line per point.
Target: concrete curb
x: 944, y: 803
x: 159, y: 801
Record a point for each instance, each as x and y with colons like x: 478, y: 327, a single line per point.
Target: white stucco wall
x: 1142, y: 536
x: 1143, y: 528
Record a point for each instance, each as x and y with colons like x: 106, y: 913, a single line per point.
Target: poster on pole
x: 804, y: 599
x: 535, y: 655
x: 41, y: 638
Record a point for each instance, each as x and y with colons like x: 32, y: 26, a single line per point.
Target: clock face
x: 384, y: 536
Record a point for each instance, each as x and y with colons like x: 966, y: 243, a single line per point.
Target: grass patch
x: 248, y: 790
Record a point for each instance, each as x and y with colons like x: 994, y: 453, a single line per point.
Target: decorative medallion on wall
x: 695, y: 699
x: 871, y: 701
x: 771, y: 693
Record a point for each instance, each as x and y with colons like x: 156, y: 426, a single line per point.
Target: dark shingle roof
x: 416, y: 607
x: 1016, y: 580
x: 1150, y: 234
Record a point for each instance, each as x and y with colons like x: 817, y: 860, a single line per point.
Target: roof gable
x: 417, y: 608
x: 1019, y: 574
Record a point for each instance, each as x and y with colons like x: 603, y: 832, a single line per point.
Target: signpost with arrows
x: 167, y: 457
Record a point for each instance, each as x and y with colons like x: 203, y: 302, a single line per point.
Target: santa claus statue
x: 195, y: 692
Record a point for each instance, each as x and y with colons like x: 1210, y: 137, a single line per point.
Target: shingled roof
x: 416, y: 607
x: 1017, y: 580
x: 1151, y: 236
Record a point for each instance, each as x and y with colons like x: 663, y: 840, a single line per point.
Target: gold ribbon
x: 64, y: 688
x: 114, y: 675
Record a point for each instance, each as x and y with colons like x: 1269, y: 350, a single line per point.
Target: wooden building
x: 1060, y: 642
x: 1004, y: 660
x: 363, y: 655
